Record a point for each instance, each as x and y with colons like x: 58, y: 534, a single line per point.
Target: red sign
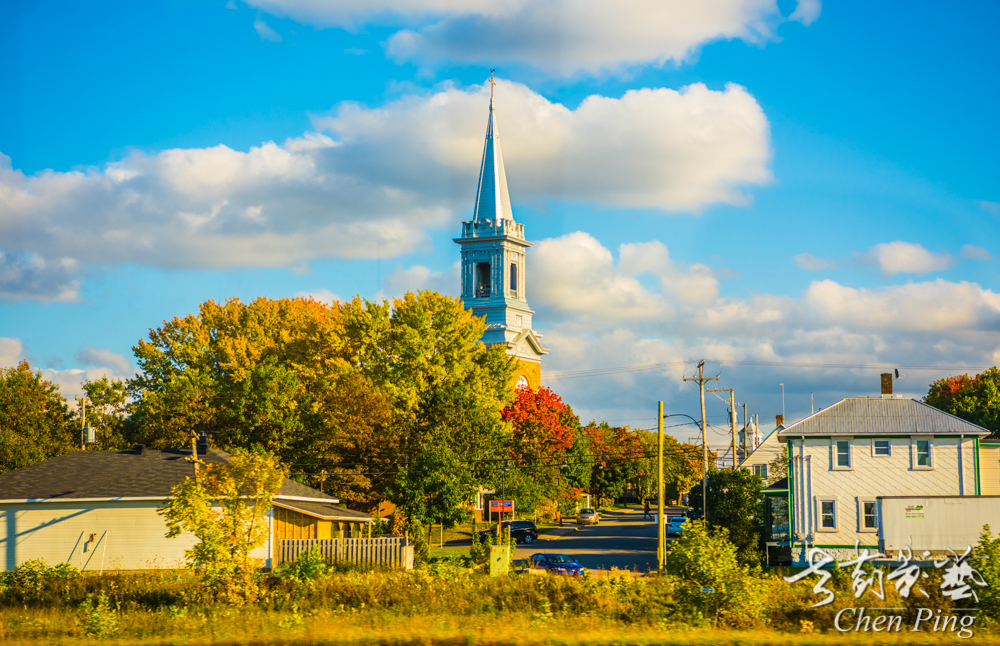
x: 502, y: 505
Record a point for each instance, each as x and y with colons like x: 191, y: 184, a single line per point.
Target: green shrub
x: 703, y: 559
x: 96, y: 617
x: 307, y: 568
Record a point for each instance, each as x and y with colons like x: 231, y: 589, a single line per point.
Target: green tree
x: 107, y: 412
x: 226, y: 508
x: 988, y: 551
x: 735, y: 503
x: 974, y: 399
x: 35, y: 423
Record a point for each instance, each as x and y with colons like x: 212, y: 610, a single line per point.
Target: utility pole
x: 659, y: 491
x: 782, y: 400
x: 732, y: 417
x: 701, y: 379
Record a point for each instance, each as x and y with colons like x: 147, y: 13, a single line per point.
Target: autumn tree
x: 974, y: 399
x: 359, y: 398
x: 34, y: 419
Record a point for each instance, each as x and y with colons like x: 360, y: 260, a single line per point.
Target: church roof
x: 492, y: 199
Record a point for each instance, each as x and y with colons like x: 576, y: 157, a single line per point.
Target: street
x: 622, y: 540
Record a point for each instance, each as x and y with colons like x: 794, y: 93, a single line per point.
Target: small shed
x: 97, y: 510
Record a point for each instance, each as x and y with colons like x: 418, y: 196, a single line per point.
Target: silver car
x: 588, y: 517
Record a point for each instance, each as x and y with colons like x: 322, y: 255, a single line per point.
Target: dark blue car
x: 557, y: 564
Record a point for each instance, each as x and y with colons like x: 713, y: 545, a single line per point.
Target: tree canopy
x: 34, y: 419
x: 368, y: 399
x: 974, y: 399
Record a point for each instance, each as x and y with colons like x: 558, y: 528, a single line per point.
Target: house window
x: 760, y: 470
x: 827, y: 512
x: 482, y: 279
x: 923, y: 457
x: 513, y: 279
x: 841, y: 450
x: 869, y: 517
x: 881, y: 448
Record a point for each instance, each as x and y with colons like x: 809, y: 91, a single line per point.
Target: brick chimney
x: 779, y: 420
x: 886, y: 383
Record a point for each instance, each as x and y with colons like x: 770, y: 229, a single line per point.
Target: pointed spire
x: 492, y: 199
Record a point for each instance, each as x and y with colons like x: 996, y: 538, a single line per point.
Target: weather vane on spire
x: 492, y: 83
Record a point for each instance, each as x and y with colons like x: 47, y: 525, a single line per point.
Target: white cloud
x: 265, y: 32
x: 98, y: 362
x: 991, y: 207
x: 383, y: 178
x: 598, y: 314
x: 807, y: 11
x: 972, y: 252
x: 103, y: 357
x: 322, y: 295
x: 907, y: 258
x: 559, y: 36
x: 33, y: 278
x: 810, y: 262
x: 418, y: 277
x: 231, y: 4
x: 661, y: 148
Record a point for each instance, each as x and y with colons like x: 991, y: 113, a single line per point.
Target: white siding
x: 869, y: 477
x: 127, y: 535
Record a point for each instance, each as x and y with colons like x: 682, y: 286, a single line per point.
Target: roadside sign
x: 502, y: 506
x: 708, y: 590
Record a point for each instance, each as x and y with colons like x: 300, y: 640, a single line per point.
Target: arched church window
x: 513, y: 279
x: 522, y: 382
x: 483, y: 287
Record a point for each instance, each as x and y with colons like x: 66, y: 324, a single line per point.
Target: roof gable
x: 881, y: 416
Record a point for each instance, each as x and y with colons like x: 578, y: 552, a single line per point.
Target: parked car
x: 557, y: 564
x: 522, y: 531
x: 675, y: 525
x: 588, y: 517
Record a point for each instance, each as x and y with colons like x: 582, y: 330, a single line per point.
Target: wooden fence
x: 392, y: 552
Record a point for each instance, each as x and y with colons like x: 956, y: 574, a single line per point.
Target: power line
x: 598, y: 372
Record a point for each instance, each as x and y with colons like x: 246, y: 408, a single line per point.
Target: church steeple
x: 492, y: 198
x: 493, y: 254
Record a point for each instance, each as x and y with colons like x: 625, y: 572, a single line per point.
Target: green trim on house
x: 977, y: 466
x: 791, y: 498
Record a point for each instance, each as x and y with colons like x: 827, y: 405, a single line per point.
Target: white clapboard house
x: 846, y: 456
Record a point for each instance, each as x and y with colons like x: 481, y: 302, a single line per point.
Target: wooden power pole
x: 732, y: 418
x: 701, y: 379
x: 660, y: 538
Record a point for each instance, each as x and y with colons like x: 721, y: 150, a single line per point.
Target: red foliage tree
x: 540, y: 421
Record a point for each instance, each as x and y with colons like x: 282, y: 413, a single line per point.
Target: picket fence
x: 392, y: 552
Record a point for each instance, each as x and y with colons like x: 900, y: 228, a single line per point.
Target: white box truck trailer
x: 934, y: 523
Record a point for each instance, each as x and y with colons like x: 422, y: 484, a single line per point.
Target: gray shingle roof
x: 881, y: 416
x: 117, y: 474
x: 324, y: 511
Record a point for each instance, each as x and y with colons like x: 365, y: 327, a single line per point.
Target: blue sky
x: 792, y: 182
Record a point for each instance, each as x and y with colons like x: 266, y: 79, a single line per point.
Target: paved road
x: 622, y: 540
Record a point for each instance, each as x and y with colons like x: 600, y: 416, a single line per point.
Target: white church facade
x: 493, y: 269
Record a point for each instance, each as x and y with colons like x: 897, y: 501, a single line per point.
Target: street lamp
x: 660, y: 534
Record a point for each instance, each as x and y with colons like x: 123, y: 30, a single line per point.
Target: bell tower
x: 493, y: 270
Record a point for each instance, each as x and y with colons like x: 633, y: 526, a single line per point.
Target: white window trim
x: 757, y: 467
x: 850, y: 453
x: 881, y: 439
x: 819, y: 514
x: 861, y: 515
x: 913, y: 452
